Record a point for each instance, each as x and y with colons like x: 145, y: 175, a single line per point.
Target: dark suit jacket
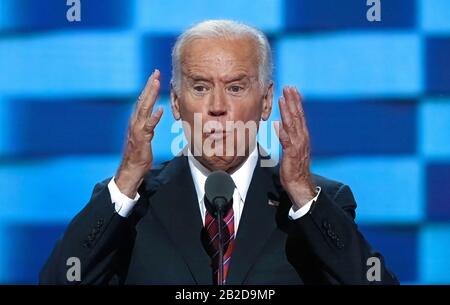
x: 159, y: 243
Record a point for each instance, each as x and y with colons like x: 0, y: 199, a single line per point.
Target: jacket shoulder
x: 161, y: 174
x: 339, y: 192
x: 330, y: 186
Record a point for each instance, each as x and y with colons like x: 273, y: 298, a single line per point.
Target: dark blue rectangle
x: 437, y: 65
x: 399, y: 247
x: 438, y: 191
x: 316, y: 15
x: 31, y: 15
x: 30, y: 247
x: 88, y: 126
x: 362, y: 127
x: 156, y: 54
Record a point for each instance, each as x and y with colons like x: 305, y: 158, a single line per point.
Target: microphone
x: 219, y: 189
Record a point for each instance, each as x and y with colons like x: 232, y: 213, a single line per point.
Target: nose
x: 217, y: 104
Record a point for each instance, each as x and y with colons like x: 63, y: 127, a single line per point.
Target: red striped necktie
x: 212, y: 230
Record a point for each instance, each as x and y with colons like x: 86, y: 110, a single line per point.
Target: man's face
x: 220, y: 84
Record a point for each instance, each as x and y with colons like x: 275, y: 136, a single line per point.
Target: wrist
x: 301, y: 194
x: 127, y: 183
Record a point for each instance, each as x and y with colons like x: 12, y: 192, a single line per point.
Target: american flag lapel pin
x: 273, y: 203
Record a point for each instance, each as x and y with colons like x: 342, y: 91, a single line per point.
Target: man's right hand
x: 138, y: 157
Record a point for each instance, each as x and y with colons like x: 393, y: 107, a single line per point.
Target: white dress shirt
x: 241, y: 177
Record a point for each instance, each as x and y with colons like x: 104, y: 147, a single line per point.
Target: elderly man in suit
x: 149, y: 225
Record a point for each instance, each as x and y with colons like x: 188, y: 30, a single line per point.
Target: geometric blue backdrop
x: 377, y: 100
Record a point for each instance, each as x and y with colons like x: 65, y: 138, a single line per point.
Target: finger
x: 153, y: 120
x: 286, y: 117
x: 292, y: 101
x: 145, y: 91
x: 304, y: 126
x: 300, y: 108
x: 149, y: 94
x: 282, y: 135
x: 299, y: 99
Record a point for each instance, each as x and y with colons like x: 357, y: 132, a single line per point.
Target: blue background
x: 377, y: 99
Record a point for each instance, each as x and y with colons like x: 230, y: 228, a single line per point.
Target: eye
x: 200, y: 88
x: 235, y: 89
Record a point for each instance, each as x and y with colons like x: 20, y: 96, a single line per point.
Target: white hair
x: 224, y: 29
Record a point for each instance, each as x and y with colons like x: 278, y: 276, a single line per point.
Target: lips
x: 218, y: 135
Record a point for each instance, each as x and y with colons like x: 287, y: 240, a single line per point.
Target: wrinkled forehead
x: 220, y: 55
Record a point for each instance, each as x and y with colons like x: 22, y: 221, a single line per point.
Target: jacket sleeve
x: 98, y: 238
x: 326, y: 247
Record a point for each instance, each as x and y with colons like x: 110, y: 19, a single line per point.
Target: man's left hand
x: 295, y: 175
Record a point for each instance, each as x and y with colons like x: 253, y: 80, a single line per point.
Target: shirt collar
x: 241, y: 177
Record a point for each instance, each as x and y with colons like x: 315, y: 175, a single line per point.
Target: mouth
x: 217, y: 135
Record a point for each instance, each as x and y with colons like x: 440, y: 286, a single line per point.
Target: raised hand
x: 295, y: 175
x: 137, y: 158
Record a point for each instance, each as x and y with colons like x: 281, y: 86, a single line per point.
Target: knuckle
x: 296, y: 116
x: 149, y: 126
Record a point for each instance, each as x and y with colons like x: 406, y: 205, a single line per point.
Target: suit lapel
x: 176, y: 205
x: 256, y: 225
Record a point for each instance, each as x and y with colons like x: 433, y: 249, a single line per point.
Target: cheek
x: 249, y: 110
x: 188, y: 107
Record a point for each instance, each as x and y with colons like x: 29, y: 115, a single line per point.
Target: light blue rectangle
x: 435, y: 16
x: 387, y: 190
x: 173, y: 16
x: 71, y: 63
x: 434, y: 254
x: 51, y: 189
x: 434, y: 132
x: 357, y: 64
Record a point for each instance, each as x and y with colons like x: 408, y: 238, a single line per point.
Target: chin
x: 225, y: 163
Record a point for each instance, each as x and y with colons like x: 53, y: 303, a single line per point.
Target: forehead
x: 219, y: 55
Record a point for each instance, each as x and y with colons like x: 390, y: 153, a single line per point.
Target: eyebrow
x: 198, y: 77
x: 237, y: 78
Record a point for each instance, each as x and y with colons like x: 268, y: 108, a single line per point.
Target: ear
x: 267, y: 102
x: 174, y: 103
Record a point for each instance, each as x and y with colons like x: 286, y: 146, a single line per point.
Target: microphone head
x: 219, y: 189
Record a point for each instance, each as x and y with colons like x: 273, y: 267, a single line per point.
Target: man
x: 151, y: 226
